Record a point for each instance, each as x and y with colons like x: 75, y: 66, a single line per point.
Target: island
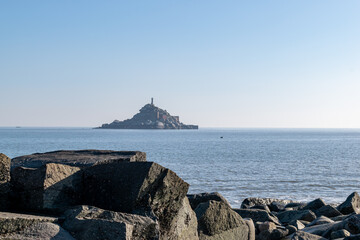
x: 149, y: 117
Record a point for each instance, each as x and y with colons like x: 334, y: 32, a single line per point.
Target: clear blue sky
x: 215, y: 63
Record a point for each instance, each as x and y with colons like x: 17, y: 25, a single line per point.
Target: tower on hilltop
x: 152, y: 101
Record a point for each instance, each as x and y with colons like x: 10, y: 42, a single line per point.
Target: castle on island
x: 150, y: 117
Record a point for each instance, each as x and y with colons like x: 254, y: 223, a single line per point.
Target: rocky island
x: 150, y: 117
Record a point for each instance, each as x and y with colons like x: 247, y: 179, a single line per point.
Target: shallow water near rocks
x: 298, y: 164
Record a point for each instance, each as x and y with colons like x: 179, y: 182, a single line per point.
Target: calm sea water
x: 286, y: 163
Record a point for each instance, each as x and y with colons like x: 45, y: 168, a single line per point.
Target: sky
x: 246, y: 64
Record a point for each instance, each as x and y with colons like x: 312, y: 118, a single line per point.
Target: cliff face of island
x: 150, y: 117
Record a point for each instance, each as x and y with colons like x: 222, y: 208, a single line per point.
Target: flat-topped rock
x: 15, y: 222
x: 78, y: 158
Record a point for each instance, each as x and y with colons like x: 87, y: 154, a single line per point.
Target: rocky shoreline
x: 98, y: 194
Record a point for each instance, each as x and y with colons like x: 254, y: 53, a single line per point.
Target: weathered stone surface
x: 299, y: 225
x: 277, y: 206
x: 351, y: 204
x: 304, y: 222
x: 278, y: 234
x: 150, y: 117
x: 353, y: 237
x: 295, y: 205
x: 339, y: 234
x: 257, y: 215
x: 288, y: 216
x: 352, y: 224
x: 50, y: 187
x: 77, y: 158
x: 327, y: 211
x: 320, y: 220
x: 14, y: 222
x: 319, y: 229
x: 250, y: 202
x: 314, y: 205
x: 262, y: 207
x: 340, y: 217
x: 4, y: 168
x: 40, y: 231
x: 217, y: 220
x: 300, y: 235
x: 251, y: 226
x: 86, y: 222
x: 266, y: 226
x: 196, y: 199
x: 4, y: 181
x: 264, y: 235
x: 184, y: 225
x: 135, y: 187
x: 335, y: 226
x: 291, y: 229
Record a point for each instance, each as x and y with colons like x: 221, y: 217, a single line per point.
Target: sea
x: 297, y: 164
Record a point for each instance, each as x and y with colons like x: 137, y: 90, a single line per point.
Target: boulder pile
x: 96, y: 194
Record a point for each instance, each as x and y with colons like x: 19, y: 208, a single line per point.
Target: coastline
x: 60, y: 190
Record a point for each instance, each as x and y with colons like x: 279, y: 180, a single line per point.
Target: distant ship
x: 149, y: 117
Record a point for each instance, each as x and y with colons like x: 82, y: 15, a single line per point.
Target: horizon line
x: 205, y: 127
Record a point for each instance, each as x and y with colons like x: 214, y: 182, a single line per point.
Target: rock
x: 257, y: 215
x: 288, y: 216
x: 87, y: 222
x: 262, y: 207
x: 291, y: 229
x: 250, y: 202
x: 14, y: 222
x: 4, y: 181
x: 144, y: 188
x: 304, y: 222
x: 333, y: 227
x: 264, y: 235
x: 278, y: 234
x: 266, y: 226
x: 353, y: 224
x: 351, y: 204
x: 339, y: 234
x: 295, y: 205
x: 196, y: 199
x: 320, y: 220
x: 78, y: 158
x: 340, y: 217
x: 40, y: 230
x: 150, y: 117
x: 314, y: 205
x: 52, y: 187
x: 327, y: 211
x: 184, y: 225
x: 4, y: 168
x: 276, y: 206
x: 353, y: 237
x: 217, y: 220
x: 249, y: 222
x: 296, y: 223
x: 306, y: 236
x: 319, y: 229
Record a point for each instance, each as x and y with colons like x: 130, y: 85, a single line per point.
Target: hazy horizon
x: 228, y: 64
